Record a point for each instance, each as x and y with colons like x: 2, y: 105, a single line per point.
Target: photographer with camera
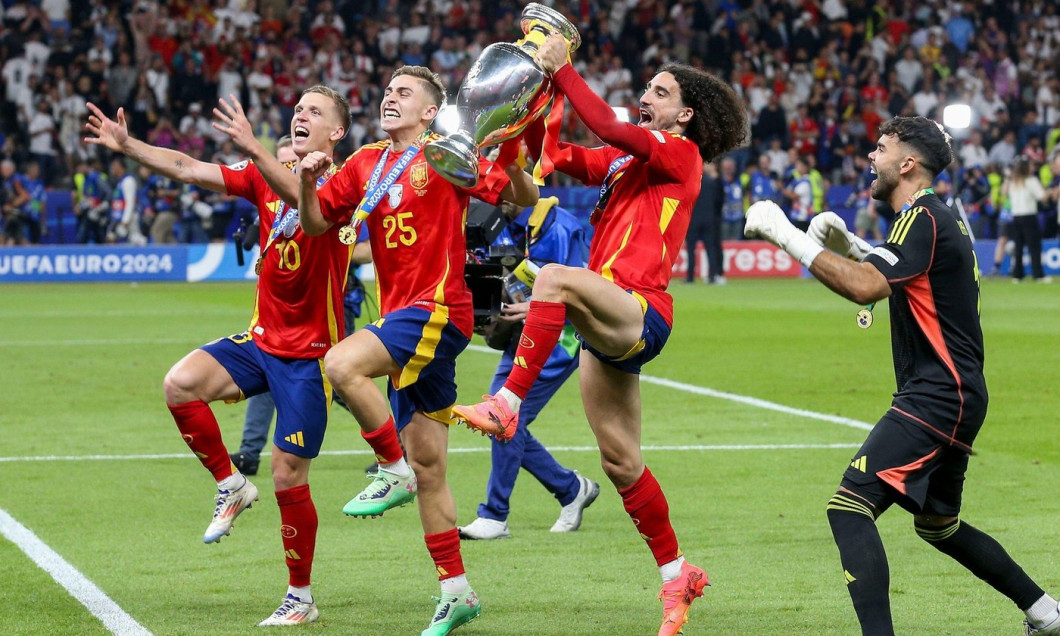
x: 543, y: 234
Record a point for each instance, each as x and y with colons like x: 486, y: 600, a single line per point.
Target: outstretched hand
x: 765, y: 219
x: 232, y: 121
x: 108, y: 133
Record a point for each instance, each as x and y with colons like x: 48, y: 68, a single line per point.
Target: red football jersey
x: 645, y: 212
x: 298, y: 306
x: 416, y: 231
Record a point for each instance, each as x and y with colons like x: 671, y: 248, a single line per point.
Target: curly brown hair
x: 719, y: 121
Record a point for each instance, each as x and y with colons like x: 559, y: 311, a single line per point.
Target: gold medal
x: 864, y: 318
x: 258, y: 266
x: 347, y: 235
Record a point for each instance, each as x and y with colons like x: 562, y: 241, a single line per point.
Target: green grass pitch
x: 92, y: 465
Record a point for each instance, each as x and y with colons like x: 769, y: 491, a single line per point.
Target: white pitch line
x: 733, y: 397
x: 483, y: 449
x: 85, y: 591
x: 680, y: 386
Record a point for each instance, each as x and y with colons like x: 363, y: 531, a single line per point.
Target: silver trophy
x: 503, y: 92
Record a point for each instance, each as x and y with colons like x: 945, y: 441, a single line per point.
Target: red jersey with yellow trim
x: 641, y: 220
x: 298, y: 305
x: 416, y: 231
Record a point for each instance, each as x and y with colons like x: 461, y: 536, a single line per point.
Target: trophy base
x: 455, y: 158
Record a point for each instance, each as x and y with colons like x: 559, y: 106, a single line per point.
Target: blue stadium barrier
x: 60, y: 260
x: 116, y: 263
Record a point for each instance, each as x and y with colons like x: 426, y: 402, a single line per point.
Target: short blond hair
x: 435, y: 87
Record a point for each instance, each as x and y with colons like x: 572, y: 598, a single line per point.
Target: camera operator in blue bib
x: 545, y: 233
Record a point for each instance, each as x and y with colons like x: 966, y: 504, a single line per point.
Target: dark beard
x: 882, y: 189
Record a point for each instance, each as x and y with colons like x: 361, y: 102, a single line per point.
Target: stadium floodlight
x: 621, y: 112
x: 447, y: 121
x: 957, y: 116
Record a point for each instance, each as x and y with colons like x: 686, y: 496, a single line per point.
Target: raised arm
x: 232, y: 121
x: 114, y: 135
x: 592, y: 110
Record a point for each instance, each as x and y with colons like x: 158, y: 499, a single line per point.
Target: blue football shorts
x: 652, y: 340
x: 299, y: 388
x: 425, y: 344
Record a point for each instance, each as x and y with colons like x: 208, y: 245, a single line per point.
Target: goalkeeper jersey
x: 936, y: 336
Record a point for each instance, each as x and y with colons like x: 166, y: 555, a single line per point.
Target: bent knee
x: 179, y: 386
x: 551, y: 280
x: 935, y: 528
x: 847, y: 501
x: 339, y: 368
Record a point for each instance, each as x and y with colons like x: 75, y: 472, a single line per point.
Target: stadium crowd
x: 817, y: 78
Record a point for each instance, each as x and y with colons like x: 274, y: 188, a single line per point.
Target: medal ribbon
x: 609, y: 182
x: 287, y: 213
x: 376, y: 188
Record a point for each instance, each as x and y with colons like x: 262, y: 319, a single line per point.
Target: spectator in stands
x: 799, y: 192
x: 926, y: 100
x: 42, y: 131
x: 91, y: 201
x: 13, y: 197
x: 1004, y: 151
x: 772, y: 124
x: 165, y: 195
x: 972, y: 152
x: 33, y: 211
x: 909, y: 69
x: 988, y: 104
x: 706, y: 225
x: 732, y: 201
x: 124, y: 225
x: 1024, y: 192
x: 779, y: 161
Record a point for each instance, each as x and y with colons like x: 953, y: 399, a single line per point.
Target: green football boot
x: 386, y: 491
x: 452, y: 612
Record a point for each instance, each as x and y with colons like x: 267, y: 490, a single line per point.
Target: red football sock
x: 445, y: 550
x: 198, y: 427
x: 384, y: 441
x: 646, y: 505
x: 544, y: 324
x: 298, y: 519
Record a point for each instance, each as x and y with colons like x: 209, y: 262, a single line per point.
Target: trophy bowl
x: 504, y: 91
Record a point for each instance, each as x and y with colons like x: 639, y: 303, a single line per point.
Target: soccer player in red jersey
x: 917, y: 454
x: 416, y: 230
x: 649, y: 175
x: 297, y: 318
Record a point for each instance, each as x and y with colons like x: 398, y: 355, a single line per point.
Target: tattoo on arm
x: 179, y: 164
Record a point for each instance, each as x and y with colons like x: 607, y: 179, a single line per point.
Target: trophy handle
x: 539, y: 21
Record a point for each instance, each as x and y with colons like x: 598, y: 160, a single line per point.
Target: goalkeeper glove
x: 766, y: 220
x: 828, y: 230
